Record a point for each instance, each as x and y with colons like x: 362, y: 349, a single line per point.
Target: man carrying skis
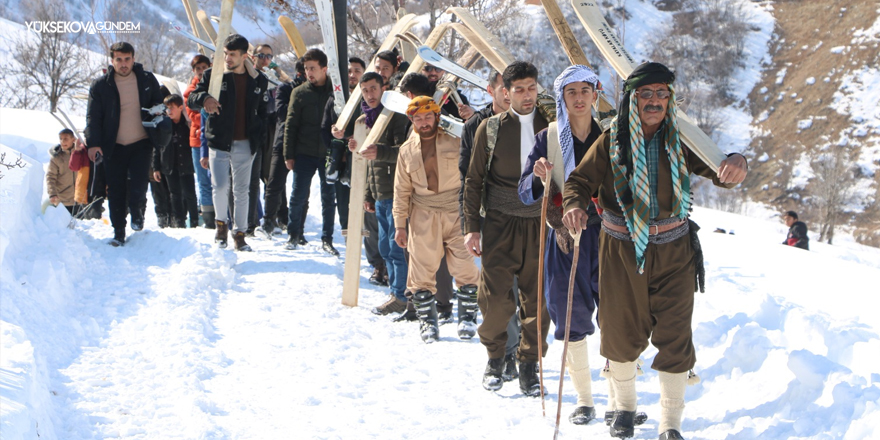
x: 640, y: 170
x: 235, y: 128
x: 553, y: 158
x: 510, y: 230
x: 426, y: 192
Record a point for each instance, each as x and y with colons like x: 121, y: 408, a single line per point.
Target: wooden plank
x: 354, y: 98
x: 190, y: 6
x: 226, y: 10
x: 293, y: 35
x: 351, y: 276
x: 207, y: 26
x: 613, y: 50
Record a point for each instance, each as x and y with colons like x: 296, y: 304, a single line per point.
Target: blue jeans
x: 395, y: 261
x: 203, y: 180
x: 304, y: 168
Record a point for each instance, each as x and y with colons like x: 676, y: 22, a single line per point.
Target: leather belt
x: 652, y: 230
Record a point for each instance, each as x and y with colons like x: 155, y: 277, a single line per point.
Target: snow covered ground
x: 169, y: 337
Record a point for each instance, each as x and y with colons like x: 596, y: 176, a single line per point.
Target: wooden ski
x: 431, y: 56
x: 352, y: 278
x: 190, y: 6
x: 391, y: 40
x: 226, y: 10
x: 293, y: 35
x: 206, y: 24
x: 604, y: 108
x: 613, y: 50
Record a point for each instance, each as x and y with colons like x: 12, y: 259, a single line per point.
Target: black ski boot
x: 623, y: 425
x: 529, y: 383
x: 641, y: 417
x: 426, y: 308
x: 492, y: 376
x: 671, y: 435
x: 582, y: 415
x: 510, y: 372
x: 467, y: 311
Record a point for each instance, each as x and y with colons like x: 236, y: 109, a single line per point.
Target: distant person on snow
x: 115, y: 131
x: 60, y: 179
x: 797, y: 231
x: 174, y: 164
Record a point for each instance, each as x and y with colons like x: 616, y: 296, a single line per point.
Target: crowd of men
x: 434, y: 202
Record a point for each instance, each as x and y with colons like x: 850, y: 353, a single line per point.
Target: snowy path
x: 171, y: 338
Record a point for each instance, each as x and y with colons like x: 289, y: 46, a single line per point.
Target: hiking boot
x: 640, y: 418
x: 240, y: 244
x: 426, y: 308
x: 249, y: 232
x: 582, y: 415
x: 623, y: 424
x: 327, y: 246
x: 222, y: 235
x: 492, y: 376
x: 118, y: 238
x: 379, y: 276
x: 301, y: 241
x: 138, y: 224
x: 671, y: 435
x: 467, y: 311
x: 292, y: 244
x: 529, y: 383
x: 510, y: 372
x: 409, y: 314
x: 392, y: 305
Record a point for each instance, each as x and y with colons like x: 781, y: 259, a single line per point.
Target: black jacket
x: 467, y: 145
x: 282, y: 99
x: 381, y: 170
x: 176, y: 156
x: 302, y: 130
x: 219, y: 127
x: 797, y: 236
x: 102, y: 117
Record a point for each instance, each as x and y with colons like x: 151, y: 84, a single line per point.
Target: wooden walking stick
x: 541, y: 246
x: 574, y: 264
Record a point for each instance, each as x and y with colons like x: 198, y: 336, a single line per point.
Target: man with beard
x: 115, y: 131
x: 647, y: 254
x: 510, y: 230
x: 426, y: 192
x: 461, y: 111
x: 304, y: 150
x: 235, y: 128
x: 379, y: 196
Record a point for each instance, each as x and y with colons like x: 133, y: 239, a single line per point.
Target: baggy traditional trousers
x: 433, y: 235
x: 510, y: 248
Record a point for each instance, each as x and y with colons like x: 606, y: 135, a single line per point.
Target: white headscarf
x: 572, y: 74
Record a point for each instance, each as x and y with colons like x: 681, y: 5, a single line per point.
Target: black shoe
x: 492, y: 376
x: 426, y: 308
x: 640, y: 418
x: 249, y: 232
x: 671, y: 435
x: 301, y: 241
x: 444, y: 317
x: 408, y: 315
x: 467, y: 312
x: 623, y: 424
x: 161, y: 220
x: 510, y: 372
x: 137, y: 225
x: 529, y: 383
x: 118, y: 238
x: 379, y: 277
x: 582, y: 415
x: 327, y: 246
x: 292, y: 244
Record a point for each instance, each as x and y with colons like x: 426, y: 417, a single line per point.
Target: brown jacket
x: 60, y: 179
x: 411, y: 178
x: 594, y: 174
x: 506, y: 168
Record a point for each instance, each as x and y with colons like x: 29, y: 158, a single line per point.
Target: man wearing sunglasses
x: 462, y: 111
x: 649, y: 257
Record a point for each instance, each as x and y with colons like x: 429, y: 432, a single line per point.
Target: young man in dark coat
x: 235, y: 128
x: 173, y: 163
x: 797, y: 231
x: 115, y: 131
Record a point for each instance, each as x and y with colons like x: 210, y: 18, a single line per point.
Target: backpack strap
x: 492, y: 127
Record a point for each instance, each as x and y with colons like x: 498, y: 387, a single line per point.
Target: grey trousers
x: 231, y: 168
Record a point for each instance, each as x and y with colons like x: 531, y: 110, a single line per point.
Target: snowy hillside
x: 169, y: 337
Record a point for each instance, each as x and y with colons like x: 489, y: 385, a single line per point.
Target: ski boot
x: 467, y: 311
x: 426, y: 308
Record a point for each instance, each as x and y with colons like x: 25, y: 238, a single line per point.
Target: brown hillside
x: 806, y: 32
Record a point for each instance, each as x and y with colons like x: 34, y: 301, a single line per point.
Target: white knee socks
x: 672, y: 387
x: 623, y: 381
x: 578, y: 364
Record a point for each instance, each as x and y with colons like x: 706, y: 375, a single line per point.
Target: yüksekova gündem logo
x: 89, y: 27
